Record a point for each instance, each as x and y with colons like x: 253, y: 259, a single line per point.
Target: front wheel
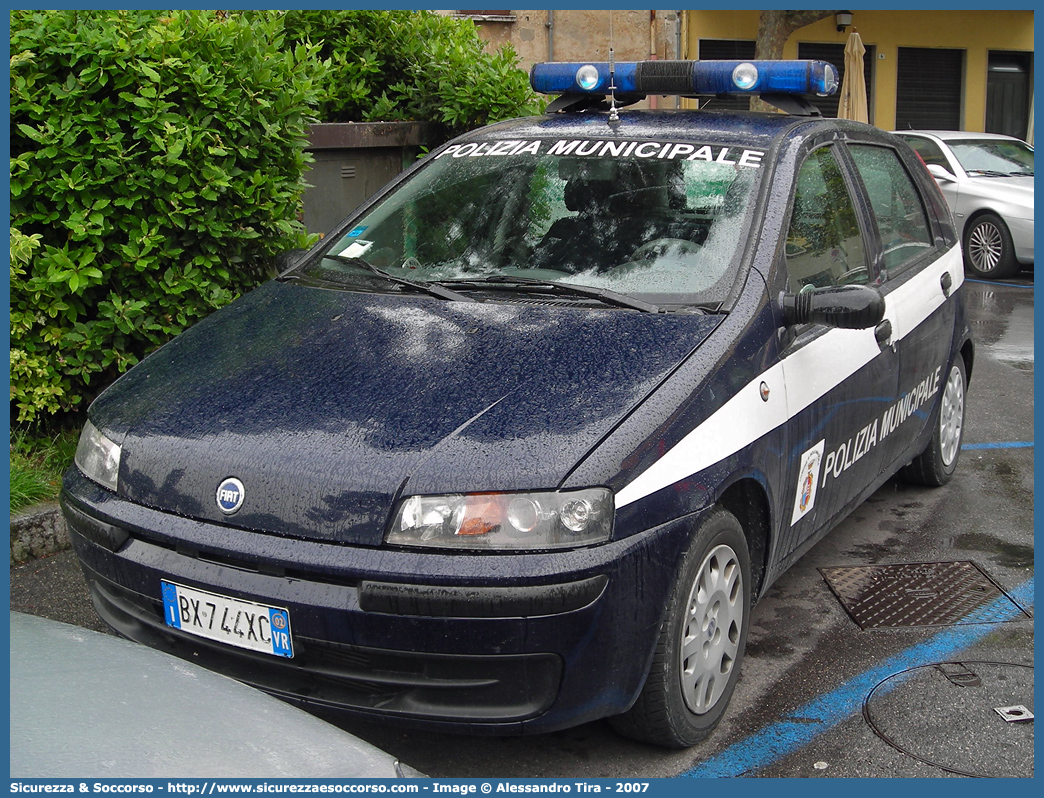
x: 936, y: 464
x: 701, y: 642
x: 988, y: 249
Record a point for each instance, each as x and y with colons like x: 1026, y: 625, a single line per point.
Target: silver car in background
x: 987, y: 180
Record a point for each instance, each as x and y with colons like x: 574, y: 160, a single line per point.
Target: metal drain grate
x: 919, y: 594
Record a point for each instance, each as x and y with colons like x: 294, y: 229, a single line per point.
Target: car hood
x: 90, y: 705
x: 329, y: 404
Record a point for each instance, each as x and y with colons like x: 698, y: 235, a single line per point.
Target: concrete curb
x: 37, y: 532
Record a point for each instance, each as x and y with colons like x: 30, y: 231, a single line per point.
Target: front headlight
x: 98, y: 457
x: 549, y: 520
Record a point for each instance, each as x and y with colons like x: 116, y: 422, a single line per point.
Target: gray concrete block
x: 37, y: 532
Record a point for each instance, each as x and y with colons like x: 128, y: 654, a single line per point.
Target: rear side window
x: 824, y: 245
x: 901, y: 219
x: 930, y: 152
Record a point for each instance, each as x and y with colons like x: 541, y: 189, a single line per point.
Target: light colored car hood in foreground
x: 88, y: 705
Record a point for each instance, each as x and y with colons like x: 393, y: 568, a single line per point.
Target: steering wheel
x: 858, y: 276
x: 658, y: 247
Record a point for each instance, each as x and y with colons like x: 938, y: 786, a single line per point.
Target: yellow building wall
x: 975, y: 32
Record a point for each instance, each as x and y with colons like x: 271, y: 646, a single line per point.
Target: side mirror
x: 850, y: 307
x: 942, y: 173
x: 288, y: 259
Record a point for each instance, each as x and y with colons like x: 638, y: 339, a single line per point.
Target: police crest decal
x: 808, y: 482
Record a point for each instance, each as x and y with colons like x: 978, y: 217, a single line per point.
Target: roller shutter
x: 928, y: 89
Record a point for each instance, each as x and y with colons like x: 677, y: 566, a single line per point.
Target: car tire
x: 690, y: 682
x: 988, y: 250
x: 936, y: 464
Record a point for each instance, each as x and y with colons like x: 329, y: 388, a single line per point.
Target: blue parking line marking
x: 1008, y: 445
x: 997, y: 283
x: 801, y: 726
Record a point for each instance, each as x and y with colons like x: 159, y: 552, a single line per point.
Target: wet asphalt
x: 819, y: 696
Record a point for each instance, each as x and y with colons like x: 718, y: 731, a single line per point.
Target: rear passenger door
x: 917, y: 275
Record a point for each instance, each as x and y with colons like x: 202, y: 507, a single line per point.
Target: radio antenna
x: 614, y: 115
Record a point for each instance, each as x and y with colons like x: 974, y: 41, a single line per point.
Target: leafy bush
x: 156, y: 166
x: 157, y: 162
x: 408, y: 65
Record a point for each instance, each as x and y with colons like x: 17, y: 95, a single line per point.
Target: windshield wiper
x: 990, y: 173
x: 606, y: 295
x: 435, y: 289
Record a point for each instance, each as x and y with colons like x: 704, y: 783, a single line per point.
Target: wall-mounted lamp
x: 843, y: 19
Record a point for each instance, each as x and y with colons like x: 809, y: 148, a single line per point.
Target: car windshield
x: 993, y: 156
x: 661, y: 221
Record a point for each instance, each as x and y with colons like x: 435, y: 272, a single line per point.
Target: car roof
x: 956, y: 135
x: 751, y: 129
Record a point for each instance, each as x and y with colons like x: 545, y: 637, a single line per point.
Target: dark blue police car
x: 520, y: 444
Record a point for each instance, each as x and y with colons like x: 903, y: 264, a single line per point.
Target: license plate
x: 239, y: 623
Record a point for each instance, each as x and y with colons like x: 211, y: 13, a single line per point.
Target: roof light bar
x: 687, y: 77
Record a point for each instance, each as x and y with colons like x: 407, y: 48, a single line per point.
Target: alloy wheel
x: 711, y: 637
x: 985, y: 246
x: 951, y: 416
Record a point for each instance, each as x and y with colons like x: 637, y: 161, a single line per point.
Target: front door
x: 1008, y: 93
x: 837, y: 381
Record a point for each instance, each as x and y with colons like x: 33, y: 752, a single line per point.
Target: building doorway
x: 1009, y: 86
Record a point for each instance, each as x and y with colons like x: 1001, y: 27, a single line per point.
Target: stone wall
x: 583, y: 35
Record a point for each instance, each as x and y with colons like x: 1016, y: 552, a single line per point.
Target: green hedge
x: 157, y: 162
x: 413, y: 66
x: 156, y: 167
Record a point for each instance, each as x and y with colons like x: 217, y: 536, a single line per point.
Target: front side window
x: 824, y: 245
x: 901, y: 220
x: 660, y: 220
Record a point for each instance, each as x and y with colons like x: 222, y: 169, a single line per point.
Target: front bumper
x: 506, y: 643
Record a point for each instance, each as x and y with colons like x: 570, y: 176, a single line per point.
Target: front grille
x: 453, y: 687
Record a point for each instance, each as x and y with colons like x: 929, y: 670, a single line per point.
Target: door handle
x: 883, y: 333
x: 947, y: 283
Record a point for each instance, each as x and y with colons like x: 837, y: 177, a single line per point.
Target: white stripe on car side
x: 812, y: 372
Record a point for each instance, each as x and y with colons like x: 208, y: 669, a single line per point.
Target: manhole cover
x: 945, y: 715
x: 920, y: 594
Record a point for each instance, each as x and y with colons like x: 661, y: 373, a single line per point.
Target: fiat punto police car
x: 520, y: 444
